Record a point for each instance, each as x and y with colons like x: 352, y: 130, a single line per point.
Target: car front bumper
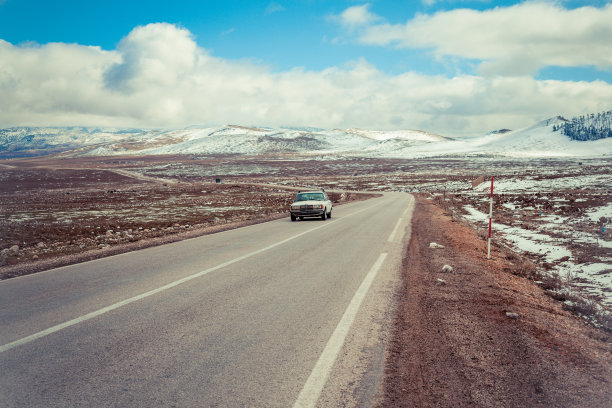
x: 307, y: 213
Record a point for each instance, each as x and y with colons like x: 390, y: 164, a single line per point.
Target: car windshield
x: 309, y: 196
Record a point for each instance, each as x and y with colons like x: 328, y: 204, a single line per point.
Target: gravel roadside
x: 482, y: 335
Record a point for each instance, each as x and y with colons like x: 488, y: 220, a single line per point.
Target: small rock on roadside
x: 436, y: 246
x: 447, y: 269
x: 440, y: 282
x: 512, y: 315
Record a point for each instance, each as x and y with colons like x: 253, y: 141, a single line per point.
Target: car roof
x: 310, y: 191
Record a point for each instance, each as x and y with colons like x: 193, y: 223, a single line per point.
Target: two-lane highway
x: 276, y: 314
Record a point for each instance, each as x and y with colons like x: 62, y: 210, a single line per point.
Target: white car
x: 314, y: 203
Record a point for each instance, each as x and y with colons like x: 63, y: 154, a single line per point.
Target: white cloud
x: 156, y: 54
x: 158, y: 76
x: 513, y: 40
x: 357, y: 16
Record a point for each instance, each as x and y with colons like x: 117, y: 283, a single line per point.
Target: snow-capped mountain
x: 35, y: 141
x: 543, y: 139
x: 539, y: 140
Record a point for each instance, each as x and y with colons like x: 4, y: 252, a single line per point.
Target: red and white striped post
x: 490, y: 220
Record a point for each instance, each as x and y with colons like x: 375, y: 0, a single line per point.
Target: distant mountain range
x: 544, y: 139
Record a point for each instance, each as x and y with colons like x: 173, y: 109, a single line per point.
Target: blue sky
x: 378, y: 64
x: 281, y: 35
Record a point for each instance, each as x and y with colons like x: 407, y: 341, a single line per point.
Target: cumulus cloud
x: 513, y: 40
x: 154, y: 55
x: 357, y: 16
x: 159, y: 77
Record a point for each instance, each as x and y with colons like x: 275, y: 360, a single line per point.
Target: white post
x: 490, y: 220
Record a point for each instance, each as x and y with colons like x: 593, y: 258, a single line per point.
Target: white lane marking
x: 320, y: 373
x: 399, y: 222
x: 170, y: 285
x: 394, y: 233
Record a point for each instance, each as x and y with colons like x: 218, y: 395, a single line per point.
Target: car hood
x: 309, y: 202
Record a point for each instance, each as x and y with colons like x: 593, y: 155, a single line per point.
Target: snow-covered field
x: 563, y: 222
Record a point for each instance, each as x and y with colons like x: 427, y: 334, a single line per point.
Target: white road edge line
x: 170, y: 285
x: 309, y: 396
x: 399, y: 222
x: 394, y: 233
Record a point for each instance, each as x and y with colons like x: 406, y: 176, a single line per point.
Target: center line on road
x: 170, y: 285
x: 320, y: 373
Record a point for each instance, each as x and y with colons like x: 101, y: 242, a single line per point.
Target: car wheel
x: 324, y: 215
x: 329, y: 214
x: 293, y: 217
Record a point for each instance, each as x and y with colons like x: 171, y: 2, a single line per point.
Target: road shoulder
x: 483, y: 336
x: 357, y: 376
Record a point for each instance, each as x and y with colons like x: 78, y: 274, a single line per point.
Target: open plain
x: 553, y: 211
x: 458, y: 337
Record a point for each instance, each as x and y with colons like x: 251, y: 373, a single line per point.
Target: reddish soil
x: 455, y: 346
x: 58, y: 212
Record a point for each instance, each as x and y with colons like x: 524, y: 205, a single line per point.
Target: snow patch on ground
x: 558, y: 228
x: 522, y: 239
x: 597, y: 213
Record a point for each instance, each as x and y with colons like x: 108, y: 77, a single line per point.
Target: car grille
x: 310, y: 207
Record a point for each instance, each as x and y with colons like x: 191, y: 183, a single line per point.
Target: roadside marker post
x: 490, y: 220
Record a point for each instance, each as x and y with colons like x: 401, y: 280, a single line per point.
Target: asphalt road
x: 278, y: 314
